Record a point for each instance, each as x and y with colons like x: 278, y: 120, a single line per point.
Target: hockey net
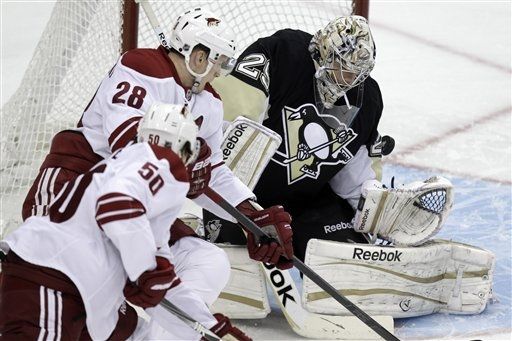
x: 79, y: 45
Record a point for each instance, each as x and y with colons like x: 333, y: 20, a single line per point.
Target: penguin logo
x: 310, y: 143
x: 212, y: 229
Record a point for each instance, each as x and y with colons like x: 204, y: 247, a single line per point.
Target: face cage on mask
x: 339, y: 117
x: 342, y: 68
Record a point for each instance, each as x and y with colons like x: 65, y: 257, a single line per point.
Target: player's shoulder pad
x: 150, y: 62
x: 176, y: 165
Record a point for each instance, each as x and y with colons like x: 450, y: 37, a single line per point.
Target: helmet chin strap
x: 198, y: 77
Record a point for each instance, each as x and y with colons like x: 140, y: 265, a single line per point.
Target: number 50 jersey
x: 106, y: 225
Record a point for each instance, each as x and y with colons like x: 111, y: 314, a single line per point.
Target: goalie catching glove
x: 199, y: 173
x: 275, y: 222
x: 151, y: 287
x: 408, y: 215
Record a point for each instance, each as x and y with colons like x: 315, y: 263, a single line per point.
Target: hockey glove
x: 224, y: 327
x: 199, y: 173
x: 151, y: 286
x: 275, y: 222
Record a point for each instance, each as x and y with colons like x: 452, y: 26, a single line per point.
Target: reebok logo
x: 233, y: 139
x: 381, y: 255
x: 364, y: 219
x: 336, y: 227
x: 279, y: 282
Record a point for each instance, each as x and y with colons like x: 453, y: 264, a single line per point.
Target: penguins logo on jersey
x: 310, y: 143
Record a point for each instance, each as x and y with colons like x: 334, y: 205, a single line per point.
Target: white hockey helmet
x: 344, y: 55
x: 200, y: 26
x: 170, y: 126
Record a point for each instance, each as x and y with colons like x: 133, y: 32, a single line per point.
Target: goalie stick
x: 306, y: 270
x: 247, y: 149
x: 189, y: 321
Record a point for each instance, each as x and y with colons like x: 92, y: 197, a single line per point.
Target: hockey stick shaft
x: 155, y: 24
x: 306, y: 270
x: 188, y: 320
x: 311, y: 151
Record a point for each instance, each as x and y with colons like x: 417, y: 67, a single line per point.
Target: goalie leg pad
x: 245, y: 296
x: 439, y: 276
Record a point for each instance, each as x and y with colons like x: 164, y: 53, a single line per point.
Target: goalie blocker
x: 439, y: 276
x: 247, y: 147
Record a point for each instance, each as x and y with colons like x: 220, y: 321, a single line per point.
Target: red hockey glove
x: 224, y: 327
x: 199, y: 173
x: 275, y: 222
x: 151, y: 286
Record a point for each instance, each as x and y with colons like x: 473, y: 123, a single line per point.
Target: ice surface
x: 444, y: 68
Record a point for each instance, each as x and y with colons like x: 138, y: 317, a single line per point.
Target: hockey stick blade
x: 311, y: 325
x: 188, y: 320
x: 306, y: 270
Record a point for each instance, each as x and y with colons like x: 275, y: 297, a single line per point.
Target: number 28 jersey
x: 139, y: 78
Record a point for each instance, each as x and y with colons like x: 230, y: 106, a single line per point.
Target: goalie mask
x: 201, y: 27
x: 344, y: 55
x: 171, y: 126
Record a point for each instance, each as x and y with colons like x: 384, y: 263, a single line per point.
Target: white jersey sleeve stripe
x: 117, y: 206
x: 59, y: 315
x: 124, y: 134
x: 42, y: 313
x: 50, y: 314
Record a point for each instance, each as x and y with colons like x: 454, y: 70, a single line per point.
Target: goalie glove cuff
x: 373, y: 195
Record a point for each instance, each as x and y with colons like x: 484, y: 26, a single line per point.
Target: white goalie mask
x: 344, y: 55
x: 170, y: 126
x: 202, y: 27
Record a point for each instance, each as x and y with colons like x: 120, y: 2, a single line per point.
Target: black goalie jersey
x: 273, y: 82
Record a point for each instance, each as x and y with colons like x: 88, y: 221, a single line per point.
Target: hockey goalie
x: 315, y: 93
x: 407, y: 274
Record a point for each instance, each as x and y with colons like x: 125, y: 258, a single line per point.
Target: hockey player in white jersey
x: 65, y: 273
x: 203, y: 48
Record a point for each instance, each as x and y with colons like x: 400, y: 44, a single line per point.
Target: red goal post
x: 81, y: 42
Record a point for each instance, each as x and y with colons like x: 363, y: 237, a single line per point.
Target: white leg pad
x: 439, y: 276
x: 245, y: 296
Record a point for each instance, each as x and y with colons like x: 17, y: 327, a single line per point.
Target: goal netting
x: 80, y: 43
